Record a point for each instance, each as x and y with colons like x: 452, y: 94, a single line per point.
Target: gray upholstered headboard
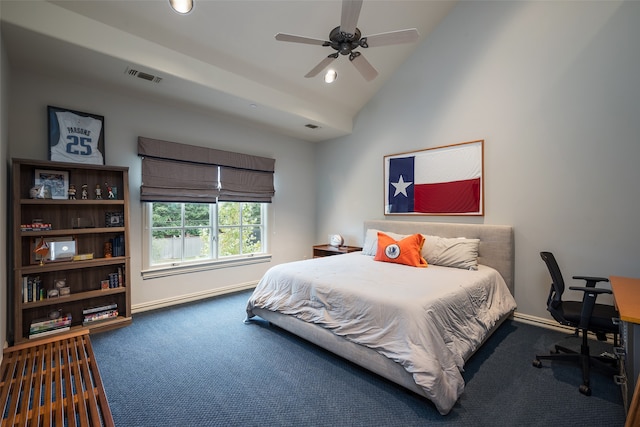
x: 496, y: 241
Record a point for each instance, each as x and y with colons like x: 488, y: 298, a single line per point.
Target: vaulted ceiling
x: 222, y: 57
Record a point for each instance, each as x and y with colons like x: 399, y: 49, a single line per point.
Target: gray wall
x: 127, y: 116
x: 4, y: 186
x: 554, y: 90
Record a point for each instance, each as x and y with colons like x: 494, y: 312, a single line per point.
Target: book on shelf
x: 48, y: 321
x: 113, y: 280
x: 116, y: 279
x: 49, y: 332
x: 32, y: 289
x: 100, y: 316
x: 99, y: 308
x: 44, y: 326
x: 37, y: 330
x: 99, y: 313
x: 36, y: 226
x: 83, y: 257
x: 117, y: 245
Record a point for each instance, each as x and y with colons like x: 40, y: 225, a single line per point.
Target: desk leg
x: 633, y: 417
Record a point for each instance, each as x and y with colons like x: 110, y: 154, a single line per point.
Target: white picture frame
x: 58, y: 182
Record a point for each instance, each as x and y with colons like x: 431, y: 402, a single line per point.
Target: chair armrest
x: 588, y: 302
x: 591, y: 280
x: 590, y: 289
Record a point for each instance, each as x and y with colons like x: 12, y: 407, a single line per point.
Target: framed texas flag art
x: 445, y: 180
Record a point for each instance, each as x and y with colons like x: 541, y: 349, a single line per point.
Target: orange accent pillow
x: 406, y: 251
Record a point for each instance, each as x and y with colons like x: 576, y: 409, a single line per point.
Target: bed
x: 414, y: 326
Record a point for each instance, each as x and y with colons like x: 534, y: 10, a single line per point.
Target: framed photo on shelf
x: 75, y: 136
x: 114, y: 219
x: 56, y: 181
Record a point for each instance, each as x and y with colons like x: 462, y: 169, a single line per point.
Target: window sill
x: 155, y: 272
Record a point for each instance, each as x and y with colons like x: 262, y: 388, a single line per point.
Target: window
x: 240, y: 228
x: 187, y: 235
x: 204, y: 208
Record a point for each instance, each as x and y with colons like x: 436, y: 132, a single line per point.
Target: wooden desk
x: 626, y: 292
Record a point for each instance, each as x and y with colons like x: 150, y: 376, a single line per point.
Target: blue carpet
x: 199, y: 365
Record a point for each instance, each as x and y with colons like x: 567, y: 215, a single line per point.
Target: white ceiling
x: 221, y: 57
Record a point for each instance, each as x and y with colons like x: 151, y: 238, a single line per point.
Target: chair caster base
x: 585, y: 389
x: 537, y: 363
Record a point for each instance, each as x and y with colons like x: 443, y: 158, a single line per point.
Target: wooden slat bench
x: 53, y: 382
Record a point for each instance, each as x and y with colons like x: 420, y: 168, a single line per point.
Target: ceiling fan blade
x: 392, y: 37
x: 350, y: 14
x: 366, y: 69
x: 322, y: 65
x: 299, y: 39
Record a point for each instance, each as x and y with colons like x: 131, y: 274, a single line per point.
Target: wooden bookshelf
x: 82, y: 277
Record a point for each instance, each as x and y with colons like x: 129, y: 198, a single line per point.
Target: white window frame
x: 150, y: 271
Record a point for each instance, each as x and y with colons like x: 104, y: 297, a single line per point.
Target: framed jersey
x: 75, y: 137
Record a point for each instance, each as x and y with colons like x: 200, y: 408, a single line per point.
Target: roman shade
x: 173, y: 172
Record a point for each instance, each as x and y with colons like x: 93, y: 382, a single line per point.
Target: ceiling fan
x: 346, y: 38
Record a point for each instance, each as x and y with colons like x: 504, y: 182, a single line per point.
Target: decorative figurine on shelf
x: 40, y: 191
x: 85, y: 192
x: 110, y: 194
x: 71, y: 192
x: 108, y: 250
x: 42, y: 249
x: 98, y: 192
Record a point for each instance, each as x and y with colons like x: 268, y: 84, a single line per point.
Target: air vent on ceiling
x: 310, y: 126
x: 142, y: 75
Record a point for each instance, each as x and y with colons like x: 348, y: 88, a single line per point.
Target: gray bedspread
x: 427, y: 319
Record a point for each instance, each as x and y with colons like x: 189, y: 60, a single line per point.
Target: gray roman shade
x: 241, y: 185
x: 173, y: 172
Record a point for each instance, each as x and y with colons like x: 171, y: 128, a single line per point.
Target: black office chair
x: 583, y: 315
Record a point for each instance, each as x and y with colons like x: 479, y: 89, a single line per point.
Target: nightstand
x: 320, y: 251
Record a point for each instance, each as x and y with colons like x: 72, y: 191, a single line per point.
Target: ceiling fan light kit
x: 330, y: 76
x: 347, y: 37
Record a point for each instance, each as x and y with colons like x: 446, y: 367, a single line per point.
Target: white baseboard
x: 549, y: 324
x: 542, y: 322
x: 168, y: 302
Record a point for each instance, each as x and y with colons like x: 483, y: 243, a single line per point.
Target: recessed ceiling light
x: 182, y: 6
x: 331, y: 76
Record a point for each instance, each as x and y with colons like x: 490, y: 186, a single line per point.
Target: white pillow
x: 370, y: 246
x: 451, y: 252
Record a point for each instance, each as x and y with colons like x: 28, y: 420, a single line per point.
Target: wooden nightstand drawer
x: 328, y: 250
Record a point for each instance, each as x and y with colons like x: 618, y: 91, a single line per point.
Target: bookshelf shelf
x: 73, y: 231
x: 72, y: 265
x: 61, y: 301
x: 59, y: 202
